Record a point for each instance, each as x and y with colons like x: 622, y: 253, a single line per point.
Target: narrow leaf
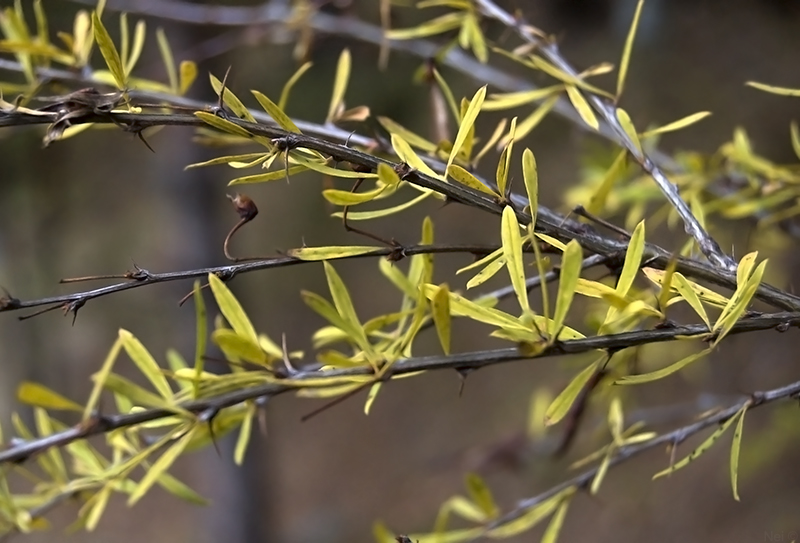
x: 630, y: 130
x: 582, y: 106
x: 159, y: 467
x: 467, y: 122
x: 340, y: 83
x: 231, y: 309
x: 563, y: 402
x: 276, y: 113
x: 677, y: 125
x: 556, y: 523
x: 531, y: 177
x: 736, y: 446
x: 512, y: 250
x: 465, y: 178
x: 40, y: 396
x: 626, y: 51
x: 782, y: 91
x: 109, y: 51
x: 330, y: 253
x: 571, y: 265
x: 660, y: 374
x: 441, y: 316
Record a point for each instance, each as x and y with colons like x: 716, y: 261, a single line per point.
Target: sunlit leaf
x: 287, y: 88
x: 465, y: 178
x: 571, y: 265
x: 276, y: 113
x: 440, y: 305
x: 467, y: 122
x: 554, y: 528
x: 222, y: 124
x: 627, y: 125
x: 160, y: 466
x: 677, y: 125
x: 330, y: 253
x: 231, y: 309
x: 582, y: 106
x: 40, y: 396
x: 512, y: 250
x: 531, y: 176
x: 736, y: 446
x: 660, y: 374
x: 145, y: 362
x: 340, y: 84
x: 109, y: 51
x: 167, y: 58
x: 783, y: 91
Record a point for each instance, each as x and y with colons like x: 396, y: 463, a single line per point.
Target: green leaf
x: 407, y: 155
x: 100, y: 378
x: 481, y: 496
x: 782, y: 91
x: 627, y: 125
x: 512, y: 250
x: 626, y: 51
x: 222, y: 124
x: 415, y: 140
x: 571, y: 265
x: 109, y: 51
x: 201, y: 335
x: 231, y: 100
x: 440, y: 305
x: 41, y: 396
x: 677, y: 125
x: 703, y: 447
x: 554, y: 528
x: 159, y: 467
x: 736, y: 446
x: 467, y: 122
x: 660, y: 374
x: 373, y: 393
x: 465, y: 178
x: 239, y: 346
x: 504, y: 164
x: 582, y: 106
x: 287, y: 88
x: 169, y: 60
x: 563, y: 403
x: 231, y: 309
x: 340, y: 84
x: 531, y: 177
x: 244, y: 434
x: 330, y: 253
x: 146, y: 363
x: 265, y: 177
x: 367, y: 215
x: 691, y: 297
x: 276, y: 113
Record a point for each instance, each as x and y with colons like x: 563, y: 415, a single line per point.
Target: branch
x: 101, y: 424
x: 546, y: 222
x: 607, y: 110
x: 673, y: 438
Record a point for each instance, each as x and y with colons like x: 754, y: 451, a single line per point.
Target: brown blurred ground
x: 99, y: 202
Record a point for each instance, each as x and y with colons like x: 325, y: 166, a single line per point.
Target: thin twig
x: 467, y: 361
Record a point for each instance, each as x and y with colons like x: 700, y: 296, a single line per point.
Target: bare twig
x: 101, y: 424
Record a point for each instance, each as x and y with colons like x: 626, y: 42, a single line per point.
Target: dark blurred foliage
x: 102, y: 201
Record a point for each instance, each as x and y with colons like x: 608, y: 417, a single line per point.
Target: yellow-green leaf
x: 782, y: 91
x: 276, y: 113
x: 287, y: 88
x: 100, y: 378
x: 582, y: 106
x: 465, y: 178
x: 512, y: 250
x: 703, y: 447
x: 504, y: 164
x: 188, y: 73
x: 201, y: 336
x: 630, y: 130
x: 467, y: 122
x: 412, y: 138
x: 231, y: 309
x: 41, y: 396
x: 109, y: 51
x: 371, y: 395
x: 266, y: 177
x: 241, y: 347
x: 554, y: 528
x: 169, y: 60
x: 532, y: 121
x: 367, y: 215
x: 633, y: 259
x: 222, y: 124
x: 660, y: 374
x: 795, y: 133
x: 531, y: 177
x: 340, y: 84
x: 736, y: 446
x: 626, y: 51
x: 677, y: 125
x: 515, y: 99
x: 741, y: 300
x: 330, y: 253
x: 145, y: 362
x: 563, y: 402
x: 487, y: 273
x: 440, y: 305
x: 571, y: 264
x: 244, y: 434
x: 481, y: 495
x: 159, y: 467
x: 527, y: 520
x: 691, y: 297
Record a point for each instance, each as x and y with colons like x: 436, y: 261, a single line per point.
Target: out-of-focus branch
x: 607, y: 110
x: 672, y: 438
x: 591, y: 241
x: 101, y: 424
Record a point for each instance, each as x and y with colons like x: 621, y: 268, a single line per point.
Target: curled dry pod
x: 245, y: 206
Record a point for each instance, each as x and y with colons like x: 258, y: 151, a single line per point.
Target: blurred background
x: 102, y: 201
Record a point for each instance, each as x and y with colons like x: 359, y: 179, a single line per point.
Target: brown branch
x: 142, y: 277
x: 101, y: 424
x: 673, y: 438
x: 591, y: 241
